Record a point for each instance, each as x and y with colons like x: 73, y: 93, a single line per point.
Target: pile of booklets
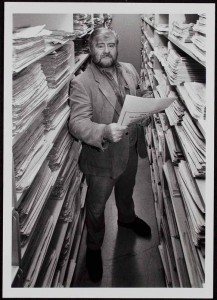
x: 59, y: 36
x: 194, y: 96
x: 183, y: 32
x: 33, y: 202
x: 199, y: 37
x: 194, y: 146
x: 161, y: 52
x: 175, y: 112
x: 58, y: 153
x: 30, y: 92
x: 28, y: 43
x: 56, y: 109
x: 182, y: 68
x: 56, y: 66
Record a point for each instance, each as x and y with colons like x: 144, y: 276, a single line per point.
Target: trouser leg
x: 99, y: 190
x: 124, y: 189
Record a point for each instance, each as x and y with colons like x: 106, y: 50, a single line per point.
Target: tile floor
x: 128, y: 260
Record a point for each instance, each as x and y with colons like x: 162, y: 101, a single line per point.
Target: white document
x: 136, y: 109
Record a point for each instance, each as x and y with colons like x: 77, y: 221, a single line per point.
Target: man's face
x: 104, y: 50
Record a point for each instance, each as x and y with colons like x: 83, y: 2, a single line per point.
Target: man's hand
x: 114, y: 132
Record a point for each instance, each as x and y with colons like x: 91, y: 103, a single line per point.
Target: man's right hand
x: 114, y: 132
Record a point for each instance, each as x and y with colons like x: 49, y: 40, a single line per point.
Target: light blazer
x: 93, y: 105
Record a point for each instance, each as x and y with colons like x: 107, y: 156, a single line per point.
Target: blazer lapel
x: 106, y: 89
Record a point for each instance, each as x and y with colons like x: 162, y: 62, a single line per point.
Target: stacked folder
x: 33, y: 203
x: 194, y: 96
x: 68, y: 170
x: 72, y: 199
x: 30, y: 92
x: 56, y: 109
x: 36, y: 254
x: 56, y: 66
x: 183, y: 68
x: 194, y: 146
x: 58, y: 153
x: 175, y: 112
x: 28, y: 43
x: 173, y: 146
x: 182, y: 32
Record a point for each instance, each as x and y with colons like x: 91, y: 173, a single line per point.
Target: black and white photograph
x: 109, y: 150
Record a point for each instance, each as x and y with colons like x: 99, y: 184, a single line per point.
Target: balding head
x: 102, y: 32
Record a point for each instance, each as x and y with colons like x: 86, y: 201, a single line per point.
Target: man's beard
x: 101, y: 62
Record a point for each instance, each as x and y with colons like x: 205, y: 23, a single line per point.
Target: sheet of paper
x: 136, y: 109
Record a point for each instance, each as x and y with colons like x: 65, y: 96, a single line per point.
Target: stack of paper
x: 183, y: 32
x: 199, y: 37
x: 68, y: 170
x: 162, y: 28
x: 194, y: 204
x: 38, y: 249
x: 164, y: 121
x: 33, y: 202
x: 30, y: 92
x: 194, y: 96
x: 171, y: 179
x: 173, y: 146
x: 161, y: 52
x: 200, y: 25
x: 28, y: 43
x: 72, y: 199
x: 175, y: 112
x: 183, y: 68
x: 56, y: 66
x: 194, y: 146
x: 60, y: 149
x: 47, y: 272
x: 59, y: 36
x: 56, y: 109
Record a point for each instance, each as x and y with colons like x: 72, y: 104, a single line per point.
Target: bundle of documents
x: 30, y: 92
x: 72, y: 199
x: 182, y: 32
x: 199, y: 41
x: 180, y: 68
x: 171, y: 179
x: 60, y: 149
x: 194, y: 204
x: 33, y: 202
x: 194, y: 146
x: 28, y: 43
x: 175, y: 112
x: 56, y: 108
x: 194, y: 96
x: 38, y: 248
x: 173, y: 146
x: 26, y: 147
x: 59, y: 36
x: 200, y: 25
x: 56, y: 66
x: 68, y: 170
x: 161, y: 52
x: 162, y: 28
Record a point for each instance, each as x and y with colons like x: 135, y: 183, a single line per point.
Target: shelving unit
x: 181, y: 249
x: 21, y: 254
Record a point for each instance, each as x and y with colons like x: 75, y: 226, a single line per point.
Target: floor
x: 128, y: 260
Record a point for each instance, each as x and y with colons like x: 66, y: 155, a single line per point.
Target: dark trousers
x: 99, y: 190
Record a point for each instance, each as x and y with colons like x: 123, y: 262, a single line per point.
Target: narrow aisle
x: 128, y: 260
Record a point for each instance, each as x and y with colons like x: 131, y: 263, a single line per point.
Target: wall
x: 128, y: 28
x: 52, y: 21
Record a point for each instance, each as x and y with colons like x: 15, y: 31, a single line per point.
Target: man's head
x: 103, y: 44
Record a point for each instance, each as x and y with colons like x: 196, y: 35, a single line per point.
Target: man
x: 109, y: 154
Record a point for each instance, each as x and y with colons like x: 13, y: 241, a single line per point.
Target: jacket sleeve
x: 80, y: 123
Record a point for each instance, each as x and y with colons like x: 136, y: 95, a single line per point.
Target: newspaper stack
x: 28, y: 43
x: 33, y: 203
x: 59, y: 36
x: 194, y: 146
x: 56, y: 66
x: 183, y: 32
x: 194, y: 96
x: 30, y: 92
x: 60, y: 149
x: 175, y: 112
x: 182, y: 68
x: 56, y: 109
x: 199, y: 38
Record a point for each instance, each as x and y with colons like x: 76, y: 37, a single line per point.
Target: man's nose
x: 106, y: 49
